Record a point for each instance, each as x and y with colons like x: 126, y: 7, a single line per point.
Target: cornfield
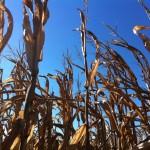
x: 112, y: 112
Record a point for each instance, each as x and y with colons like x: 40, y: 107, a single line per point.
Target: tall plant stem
x: 87, y: 92
x: 29, y: 100
x: 86, y: 119
x: 27, y: 112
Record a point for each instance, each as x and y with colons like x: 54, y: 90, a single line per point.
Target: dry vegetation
x: 112, y: 112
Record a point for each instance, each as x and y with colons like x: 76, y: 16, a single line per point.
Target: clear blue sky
x: 64, y: 17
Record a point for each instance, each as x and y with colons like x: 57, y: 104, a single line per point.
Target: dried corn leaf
x: 78, y: 135
x: 97, y: 60
x: 127, y: 100
x: 59, y: 81
x: 5, y: 107
x: 146, y: 41
x: 83, y: 33
x: 145, y: 7
x: 40, y: 42
x: 16, y: 143
x: 100, y: 91
x: 83, y: 19
x: 12, y: 91
x: 42, y: 90
x: 46, y: 84
x: 106, y: 107
x: 21, y: 114
x: 13, y: 118
x: 94, y: 124
x: 37, y: 20
x: 28, y: 38
x: 138, y: 27
x: 124, y: 65
x: 130, y: 103
x: 45, y: 16
x: 141, y: 59
x: 29, y: 4
x: 96, y: 41
x: 92, y: 73
x: 54, y: 119
x: 36, y: 144
x: 1, y: 24
x: 76, y: 114
x: 18, y: 97
x: 6, y: 37
x: 13, y: 134
x: 31, y: 130
x: 8, y: 80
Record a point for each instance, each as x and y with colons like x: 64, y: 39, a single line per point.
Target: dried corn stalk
x: 34, y: 41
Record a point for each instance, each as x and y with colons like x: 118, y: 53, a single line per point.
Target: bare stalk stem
x: 87, y: 92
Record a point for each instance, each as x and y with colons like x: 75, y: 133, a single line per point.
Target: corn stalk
x: 34, y: 41
x: 115, y: 104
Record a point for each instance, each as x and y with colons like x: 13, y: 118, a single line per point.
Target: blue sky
x: 64, y: 17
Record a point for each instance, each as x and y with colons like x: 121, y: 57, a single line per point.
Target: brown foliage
x: 112, y: 112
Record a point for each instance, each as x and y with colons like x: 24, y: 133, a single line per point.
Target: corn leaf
x: 78, y: 135
x: 6, y: 37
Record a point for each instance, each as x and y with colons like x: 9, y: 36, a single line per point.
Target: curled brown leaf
x: 6, y: 37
